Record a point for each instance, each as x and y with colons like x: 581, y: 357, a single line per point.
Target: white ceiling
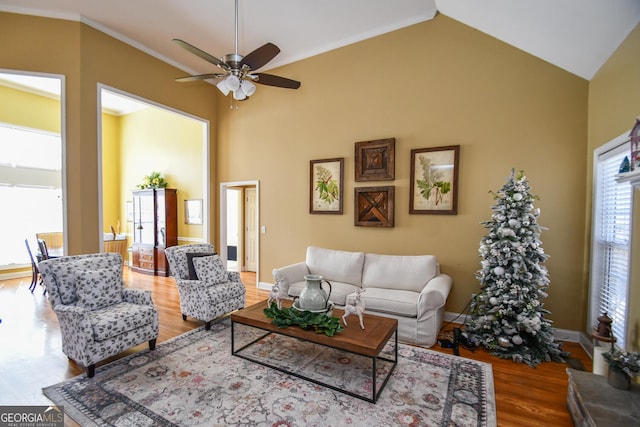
x: 575, y: 35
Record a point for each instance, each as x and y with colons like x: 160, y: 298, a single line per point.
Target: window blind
x: 611, y: 241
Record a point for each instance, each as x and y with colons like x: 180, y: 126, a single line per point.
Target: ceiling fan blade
x: 201, y: 53
x: 199, y: 77
x: 271, y: 80
x: 259, y: 57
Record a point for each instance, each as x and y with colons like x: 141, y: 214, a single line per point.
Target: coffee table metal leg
x: 235, y: 352
x: 393, y: 367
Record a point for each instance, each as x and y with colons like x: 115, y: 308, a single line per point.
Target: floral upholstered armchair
x: 207, y: 291
x: 99, y: 317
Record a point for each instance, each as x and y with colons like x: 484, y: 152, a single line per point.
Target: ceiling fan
x: 238, y: 71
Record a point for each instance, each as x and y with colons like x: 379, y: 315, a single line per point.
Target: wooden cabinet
x: 155, y: 227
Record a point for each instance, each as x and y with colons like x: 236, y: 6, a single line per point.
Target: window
x: 30, y: 189
x: 610, y: 242
x: 32, y: 148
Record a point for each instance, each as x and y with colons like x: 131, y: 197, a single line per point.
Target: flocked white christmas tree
x: 508, y: 316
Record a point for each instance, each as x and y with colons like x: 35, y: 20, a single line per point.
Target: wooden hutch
x: 155, y: 227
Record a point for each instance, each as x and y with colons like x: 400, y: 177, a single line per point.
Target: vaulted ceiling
x: 576, y: 35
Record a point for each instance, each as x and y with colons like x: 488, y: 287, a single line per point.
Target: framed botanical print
x: 375, y: 160
x: 374, y: 206
x: 434, y: 180
x: 325, y: 187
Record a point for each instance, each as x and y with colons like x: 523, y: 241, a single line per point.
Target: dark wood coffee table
x: 368, y: 343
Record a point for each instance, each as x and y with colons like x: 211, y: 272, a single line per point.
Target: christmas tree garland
x: 507, y: 316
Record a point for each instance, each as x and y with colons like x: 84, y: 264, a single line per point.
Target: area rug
x: 193, y: 380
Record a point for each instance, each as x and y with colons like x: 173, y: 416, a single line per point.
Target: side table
x: 593, y: 402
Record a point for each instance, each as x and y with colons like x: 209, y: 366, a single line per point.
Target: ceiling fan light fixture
x: 247, y: 87
x: 222, y: 86
x: 237, y: 76
x: 239, y: 94
x: 233, y: 82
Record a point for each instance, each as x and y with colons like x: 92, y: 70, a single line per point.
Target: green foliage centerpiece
x: 320, y: 322
x: 508, y: 316
x: 153, y: 180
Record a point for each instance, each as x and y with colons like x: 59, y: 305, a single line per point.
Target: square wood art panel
x: 374, y: 206
x: 375, y: 160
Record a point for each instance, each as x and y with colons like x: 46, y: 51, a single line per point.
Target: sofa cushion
x: 98, y: 288
x: 339, y: 290
x: 338, y: 266
x: 407, y: 273
x: 400, y: 303
x: 210, y: 269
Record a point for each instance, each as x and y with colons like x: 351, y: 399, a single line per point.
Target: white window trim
x: 594, y: 287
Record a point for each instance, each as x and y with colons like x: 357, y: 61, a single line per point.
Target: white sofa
x: 408, y: 288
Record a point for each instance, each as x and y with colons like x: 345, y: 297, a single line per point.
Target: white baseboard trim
x: 191, y: 239
x: 559, y: 334
x: 265, y: 286
x: 15, y: 275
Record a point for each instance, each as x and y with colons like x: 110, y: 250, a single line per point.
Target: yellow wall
x: 29, y: 110
x: 433, y: 84
x: 112, y: 200
x: 614, y: 103
x: 88, y: 57
x: 162, y: 141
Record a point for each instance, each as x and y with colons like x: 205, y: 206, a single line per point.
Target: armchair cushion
x: 65, y: 275
x: 98, y: 288
x: 109, y: 322
x: 210, y: 269
x: 192, y: 270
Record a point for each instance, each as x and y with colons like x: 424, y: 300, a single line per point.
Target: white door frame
x: 222, y: 245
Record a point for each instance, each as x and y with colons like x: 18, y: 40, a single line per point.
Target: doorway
x: 33, y: 165
x: 242, y: 208
x: 136, y: 157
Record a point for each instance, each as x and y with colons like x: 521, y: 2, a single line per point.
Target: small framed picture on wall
x: 434, y: 180
x: 325, y: 186
x: 374, y: 206
x: 193, y: 211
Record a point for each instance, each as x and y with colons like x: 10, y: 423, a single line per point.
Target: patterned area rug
x: 193, y: 380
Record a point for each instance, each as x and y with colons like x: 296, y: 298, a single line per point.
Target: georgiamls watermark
x: 31, y: 416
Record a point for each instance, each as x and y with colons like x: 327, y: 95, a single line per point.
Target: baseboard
x: 191, y: 239
x: 265, y: 286
x: 15, y: 275
x: 559, y: 334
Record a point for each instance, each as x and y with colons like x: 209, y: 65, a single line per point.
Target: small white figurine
x: 276, y: 294
x: 357, y: 308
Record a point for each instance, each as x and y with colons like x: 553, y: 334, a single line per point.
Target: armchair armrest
x: 234, y: 276
x: 75, y: 324
x: 292, y: 273
x: 434, y: 295
x: 189, y: 288
x: 137, y: 296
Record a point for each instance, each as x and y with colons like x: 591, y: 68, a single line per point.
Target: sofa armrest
x: 137, y: 296
x: 434, y: 294
x: 292, y: 273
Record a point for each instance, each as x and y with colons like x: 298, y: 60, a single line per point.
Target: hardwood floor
x: 31, y: 355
